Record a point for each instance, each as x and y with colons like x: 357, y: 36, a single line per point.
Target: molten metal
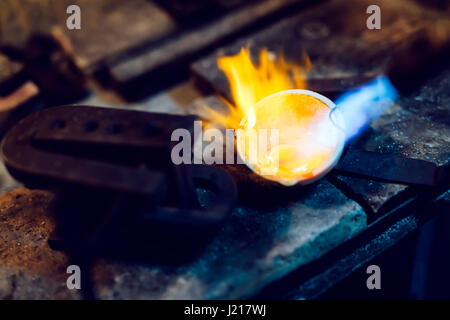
x: 307, y: 142
x: 305, y: 139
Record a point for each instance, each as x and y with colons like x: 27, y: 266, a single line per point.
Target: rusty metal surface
x: 105, y: 148
x: 72, y: 124
x: 120, y: 150
x: 29, y: 268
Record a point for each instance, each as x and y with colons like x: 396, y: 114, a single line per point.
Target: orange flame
x: 250, y: 83
x: 298, y: 151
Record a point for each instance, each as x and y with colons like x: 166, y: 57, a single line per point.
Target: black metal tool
x: 118, y: 190
x: 392, y: 168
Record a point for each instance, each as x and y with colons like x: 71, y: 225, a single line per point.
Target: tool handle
x: 389, y: 167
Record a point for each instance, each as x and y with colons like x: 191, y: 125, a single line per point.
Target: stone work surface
x: 417, y: 126
x: 254, y: 248
x: 420, y: 124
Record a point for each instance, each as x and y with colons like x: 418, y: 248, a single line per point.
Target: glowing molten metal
x: 300, y: 138
x: 305, y: 144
